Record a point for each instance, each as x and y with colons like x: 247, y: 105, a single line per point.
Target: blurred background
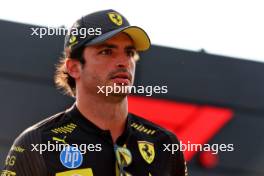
x: 209, y: 54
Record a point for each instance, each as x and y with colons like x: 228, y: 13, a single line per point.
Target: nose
x: 123, y: 61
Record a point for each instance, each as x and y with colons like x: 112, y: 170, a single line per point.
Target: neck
x: 108, y: 113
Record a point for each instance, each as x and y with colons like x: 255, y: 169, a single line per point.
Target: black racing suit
x: 67, y: 144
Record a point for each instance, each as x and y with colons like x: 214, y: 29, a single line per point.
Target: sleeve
x: 178, y: 163
x: 22, y: 159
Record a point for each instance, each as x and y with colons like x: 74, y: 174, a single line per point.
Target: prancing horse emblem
x: 147, y: 151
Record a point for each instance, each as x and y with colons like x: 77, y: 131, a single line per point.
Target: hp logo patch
x: 71, y: 157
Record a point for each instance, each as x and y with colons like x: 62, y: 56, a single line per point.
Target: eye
x: 106, y: 52
x: 131, y: 52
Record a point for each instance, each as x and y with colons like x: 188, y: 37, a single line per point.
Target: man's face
x: 109, y: 63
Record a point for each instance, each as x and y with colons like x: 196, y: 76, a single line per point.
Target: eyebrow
x: 106, y: 45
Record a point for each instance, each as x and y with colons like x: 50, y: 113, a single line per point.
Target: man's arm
x: 21, y: 160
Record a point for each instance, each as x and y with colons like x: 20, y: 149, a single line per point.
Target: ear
x: 73, y: 68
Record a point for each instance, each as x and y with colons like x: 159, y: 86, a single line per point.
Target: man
x: 98, y: 135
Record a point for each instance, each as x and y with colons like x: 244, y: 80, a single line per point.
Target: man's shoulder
x: 33, y: 133
x: 145, y: 126
x: 45, y: 123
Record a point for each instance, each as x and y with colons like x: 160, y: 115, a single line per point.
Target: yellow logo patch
x: 143, y: 129
x: 8, y: 173
x: 60, y: 139
x: 66, y: 129
x: 76, y: 172
x: 73, y: 41
x: 115, y: 18
x: 147, y: 151
x: 17, y: 149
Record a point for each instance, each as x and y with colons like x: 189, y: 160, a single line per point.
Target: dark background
x: 28, y: 93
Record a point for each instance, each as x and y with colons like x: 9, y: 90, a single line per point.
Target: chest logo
x: 60, y: 139
x: 71, y: 157
x: 147, y: 151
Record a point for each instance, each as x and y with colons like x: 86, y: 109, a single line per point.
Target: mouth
x: 121, y: 78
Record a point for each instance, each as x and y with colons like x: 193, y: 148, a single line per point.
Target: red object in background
x: 190, y: 122
x: 208, y: 160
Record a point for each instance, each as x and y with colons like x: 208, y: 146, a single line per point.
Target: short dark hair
x: 62, y: 78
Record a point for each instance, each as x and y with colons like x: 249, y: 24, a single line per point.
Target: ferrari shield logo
x: 147, y: 151
x: 115, y: 18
